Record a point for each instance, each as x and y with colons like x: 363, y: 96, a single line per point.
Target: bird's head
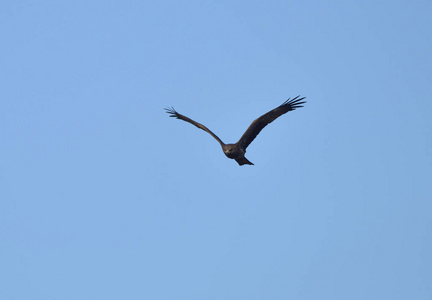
x: 228, y: 149
x: 231, y: 150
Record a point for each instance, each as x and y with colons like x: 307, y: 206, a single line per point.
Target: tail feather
x: 243, y: 161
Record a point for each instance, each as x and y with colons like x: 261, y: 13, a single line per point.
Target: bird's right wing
x: 172, y: 112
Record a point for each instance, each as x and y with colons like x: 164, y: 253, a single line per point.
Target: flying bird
x: 237, y: 151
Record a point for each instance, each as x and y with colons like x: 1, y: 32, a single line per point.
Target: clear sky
x: 103, y: 196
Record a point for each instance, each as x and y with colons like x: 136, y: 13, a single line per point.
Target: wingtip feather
x: 294, y: 103
x: 171, y: 111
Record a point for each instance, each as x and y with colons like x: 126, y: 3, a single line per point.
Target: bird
x: 237, y: 151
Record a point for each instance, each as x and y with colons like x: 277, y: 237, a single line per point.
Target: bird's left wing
x: 257, y: 125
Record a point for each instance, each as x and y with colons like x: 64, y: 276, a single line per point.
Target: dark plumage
x: 237, y: 151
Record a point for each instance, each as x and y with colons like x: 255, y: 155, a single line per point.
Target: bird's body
x: 237, y: 151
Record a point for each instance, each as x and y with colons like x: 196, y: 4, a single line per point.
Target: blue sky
x: 103, y: 196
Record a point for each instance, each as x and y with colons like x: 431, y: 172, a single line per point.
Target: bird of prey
x: 237, y: 151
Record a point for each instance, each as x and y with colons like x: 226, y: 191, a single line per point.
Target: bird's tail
x: 243, y: 161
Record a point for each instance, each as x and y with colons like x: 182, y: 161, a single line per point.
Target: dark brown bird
x: 237, y: 151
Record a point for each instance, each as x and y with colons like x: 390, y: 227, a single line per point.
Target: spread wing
x: 257, y: 125
x: 172, y: 112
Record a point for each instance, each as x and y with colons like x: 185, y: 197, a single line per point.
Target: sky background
x: 103, y: 196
